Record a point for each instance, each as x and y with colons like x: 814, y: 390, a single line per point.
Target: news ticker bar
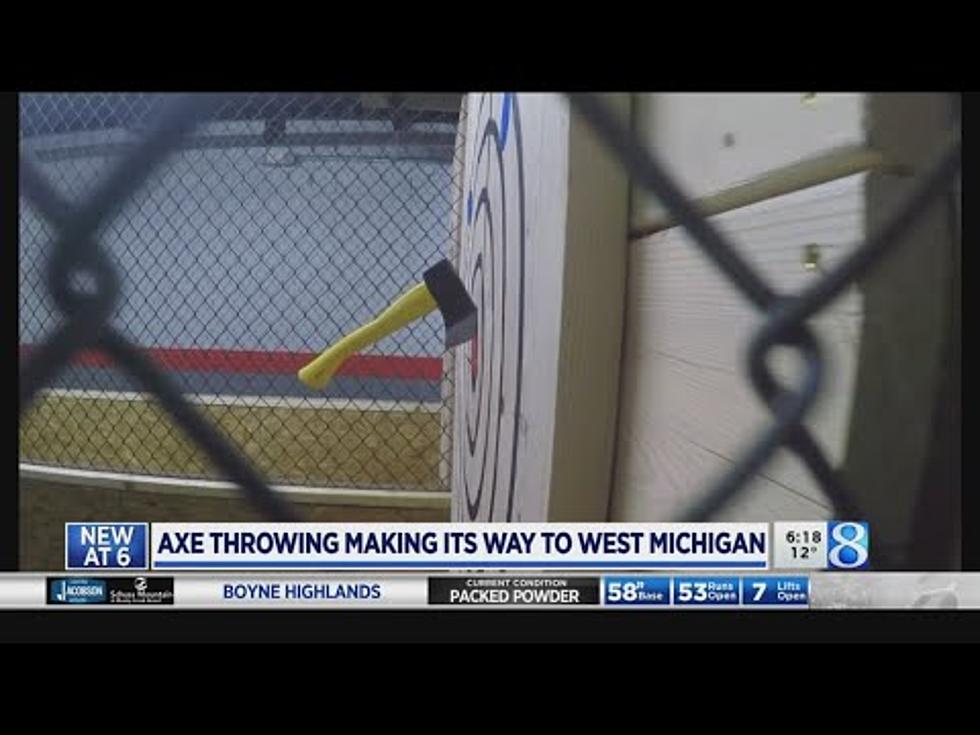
x: 822, y: 590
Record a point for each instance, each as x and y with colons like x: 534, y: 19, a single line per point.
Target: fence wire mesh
x: 785, y: 315
x: 268, y: 226
x: 280, y: 290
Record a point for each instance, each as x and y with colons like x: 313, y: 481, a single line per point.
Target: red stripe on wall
x: 275, y: 361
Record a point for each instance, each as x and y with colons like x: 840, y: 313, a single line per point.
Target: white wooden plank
x: 70, y: 476
x: 713, y: 141
x: 204, y: 399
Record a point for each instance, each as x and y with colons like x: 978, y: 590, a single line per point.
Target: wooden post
x: 905, y: 419
x: 448, y: 362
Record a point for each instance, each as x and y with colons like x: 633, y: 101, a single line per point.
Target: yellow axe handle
x: 410, y: 306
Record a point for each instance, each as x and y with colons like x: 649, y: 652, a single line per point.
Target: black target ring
x: 492, y: 264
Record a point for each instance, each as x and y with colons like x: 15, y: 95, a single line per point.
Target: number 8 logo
x: 855, y: 545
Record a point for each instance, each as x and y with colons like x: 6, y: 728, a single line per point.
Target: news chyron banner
x: 784, y: 565
x: 474, y: 565
x: 408, y: 546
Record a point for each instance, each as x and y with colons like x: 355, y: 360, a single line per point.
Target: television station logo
x: 111, y: 591
x: 847, y: 545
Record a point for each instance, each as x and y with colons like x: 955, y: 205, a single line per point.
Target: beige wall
x: 687, y: 408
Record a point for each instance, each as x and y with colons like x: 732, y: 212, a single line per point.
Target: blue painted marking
x: 505, y: 119
x: 469, y: 208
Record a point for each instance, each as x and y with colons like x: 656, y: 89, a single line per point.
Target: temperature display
x: 800, y: 545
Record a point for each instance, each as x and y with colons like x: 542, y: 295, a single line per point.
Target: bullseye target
x: 488, y: 371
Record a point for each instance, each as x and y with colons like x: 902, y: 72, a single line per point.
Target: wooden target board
x: 522, y: 257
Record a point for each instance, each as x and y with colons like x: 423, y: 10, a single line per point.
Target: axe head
x: 457, y: 308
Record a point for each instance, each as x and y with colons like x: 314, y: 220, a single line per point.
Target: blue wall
x: 221, y: 251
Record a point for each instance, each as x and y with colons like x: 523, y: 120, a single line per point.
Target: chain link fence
x: 276, y: 224
x: 306, y: 297
x: 785, y: 315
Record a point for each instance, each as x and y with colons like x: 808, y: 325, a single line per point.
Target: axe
x: 441, y: 288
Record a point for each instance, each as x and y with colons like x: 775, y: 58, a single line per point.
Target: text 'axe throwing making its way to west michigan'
x: 441, y: 288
